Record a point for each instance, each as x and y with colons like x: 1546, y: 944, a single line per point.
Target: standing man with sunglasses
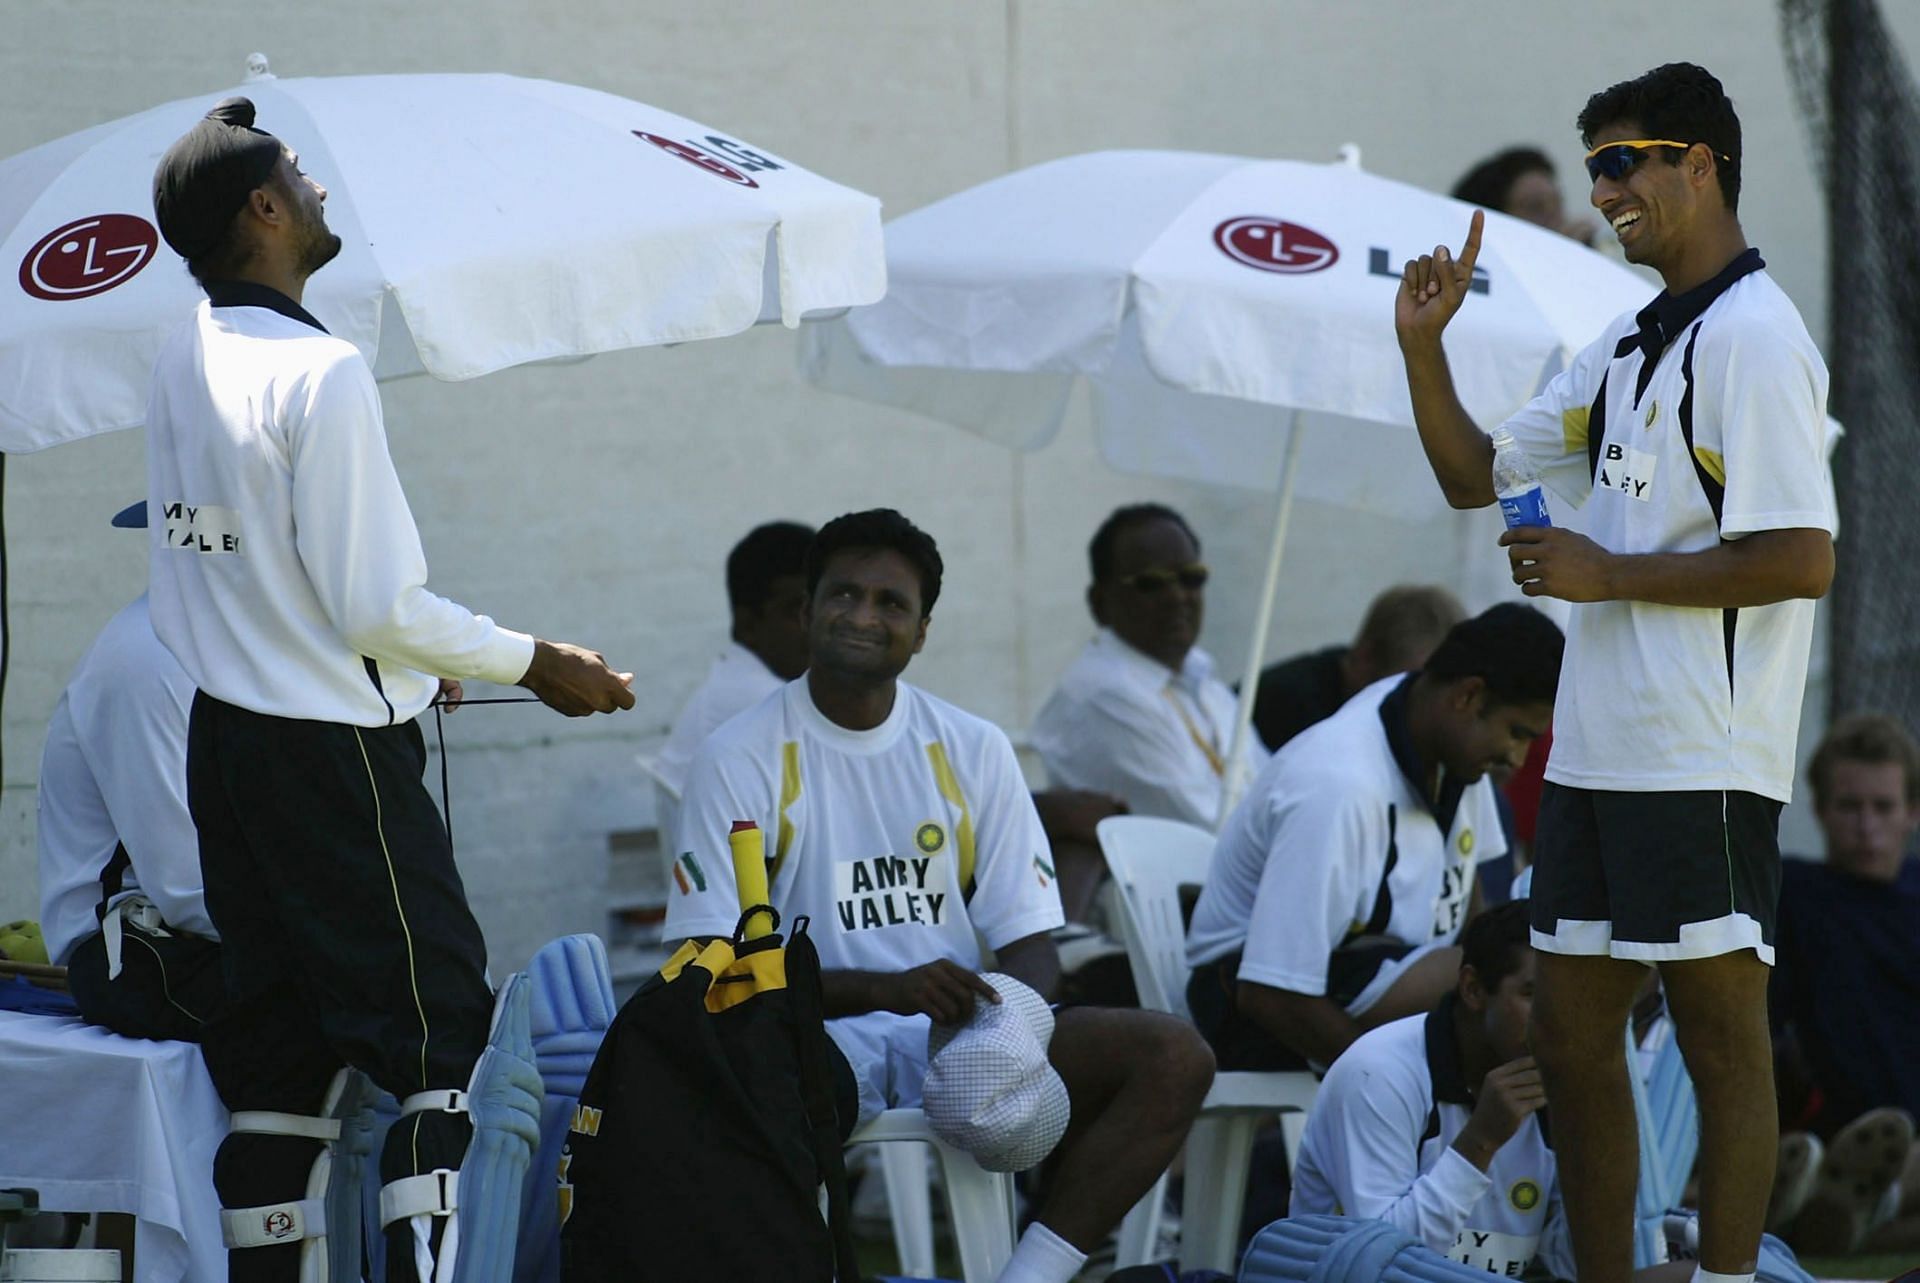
x: 1139, y: 714
x: 1694, y: 430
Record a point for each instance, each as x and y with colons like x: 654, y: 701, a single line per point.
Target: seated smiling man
x: 1343, y: 877
x: 901, y: 826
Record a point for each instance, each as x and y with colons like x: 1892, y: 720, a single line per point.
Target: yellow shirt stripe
x: 963, y: 830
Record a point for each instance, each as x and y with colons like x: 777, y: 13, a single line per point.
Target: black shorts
x: 1239, y: 1043
x: 1655, y: 877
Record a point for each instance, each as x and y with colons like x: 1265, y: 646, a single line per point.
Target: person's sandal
x: 1863, y: 1159
x: 1793, y: 1177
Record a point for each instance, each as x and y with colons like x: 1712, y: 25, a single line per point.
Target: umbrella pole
x: 1236, y: 778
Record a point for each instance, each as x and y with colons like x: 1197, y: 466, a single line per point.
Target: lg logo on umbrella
x: 1273, y: 245
x: 88, y: 256
x: 709, y: 157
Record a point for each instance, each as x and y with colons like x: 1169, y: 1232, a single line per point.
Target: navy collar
x: 1443, y: 1055
x: 1394, y: 719
x: 1662, y: 320
x: 1450, y: 1085
x: 252, y: 294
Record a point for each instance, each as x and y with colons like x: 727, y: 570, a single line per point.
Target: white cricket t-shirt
x: 737, y: 681
x: 898, y: 843
x: 114, y: 772
x: 285, y: 571
x: 1656, y: 698
x: 1333, y: 841
x: 1379, y: 1146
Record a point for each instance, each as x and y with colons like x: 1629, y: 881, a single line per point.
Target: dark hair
x: 1513, y: 648
x: 878, y: 528
x: 1406, y: 621
x: 767, y: 553
x: 1493, y: 943
x: 1100, y: 550
x: 1488, y: 182
x: 1864, y: 737
x: 227, y: 258
x: 1680, y: 101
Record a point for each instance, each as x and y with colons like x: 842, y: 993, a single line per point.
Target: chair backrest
x: 1669, y: 1122
x: 1150, y: 860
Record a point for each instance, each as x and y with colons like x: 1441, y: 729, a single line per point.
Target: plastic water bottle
x: 1516, y: 482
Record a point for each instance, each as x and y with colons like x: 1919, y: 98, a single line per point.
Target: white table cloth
x: 101, y: 1123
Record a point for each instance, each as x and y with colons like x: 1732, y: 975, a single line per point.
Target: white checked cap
x: 989, y: 1089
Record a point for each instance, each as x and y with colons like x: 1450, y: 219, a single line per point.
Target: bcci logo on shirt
x: 1525, y: 1195
x: 1465, y: 841
x: 929, y: 837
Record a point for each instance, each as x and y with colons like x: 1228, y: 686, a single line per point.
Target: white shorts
x: 888, y: 1054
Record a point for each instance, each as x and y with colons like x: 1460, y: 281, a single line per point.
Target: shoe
x: 1793, y: 1178
x: 1863, y: 1159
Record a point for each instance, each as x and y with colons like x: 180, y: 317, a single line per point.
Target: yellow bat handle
x: 749, y: 847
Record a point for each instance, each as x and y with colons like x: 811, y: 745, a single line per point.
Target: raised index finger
x: 1470, y: 252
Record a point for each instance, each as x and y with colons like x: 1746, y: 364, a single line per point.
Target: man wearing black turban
x: 217, y: 169
x: 287, y: 578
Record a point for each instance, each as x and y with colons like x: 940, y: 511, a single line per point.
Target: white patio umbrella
x: 487, y: 220
x: 1213, y: 305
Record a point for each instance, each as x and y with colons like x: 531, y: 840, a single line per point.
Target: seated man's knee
x: 1174, y: 1055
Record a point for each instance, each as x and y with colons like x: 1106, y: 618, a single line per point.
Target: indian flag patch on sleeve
x: 1043, y: 870
x: 687, y: 872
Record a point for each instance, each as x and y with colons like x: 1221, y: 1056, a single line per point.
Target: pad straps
x: 434, y: 1193
x: 274, y: 1223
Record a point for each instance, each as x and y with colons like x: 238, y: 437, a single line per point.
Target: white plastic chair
x: 979, y: 1202
x: 1150, y: 860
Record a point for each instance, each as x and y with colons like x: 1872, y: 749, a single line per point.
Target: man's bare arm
x: 941, y: 989
x: 1432, y: 287
x: 1034, y: 961
x: 1760, y: 569
x: 1313, y: 1026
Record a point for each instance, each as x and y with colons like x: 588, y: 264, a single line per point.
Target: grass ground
x: 1859, y: 1267
x: 876, y: 1258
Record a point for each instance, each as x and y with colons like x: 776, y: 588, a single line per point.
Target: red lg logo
x: 88, y: 256
x: 695, y: 156
x: 1273, y: 245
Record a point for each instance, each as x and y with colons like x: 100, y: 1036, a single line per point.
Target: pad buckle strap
x: 136, y: 911
x: 437, y: 1193
x: 446, y: 1100
x: 274, y: 1223
x: 267, y: 1122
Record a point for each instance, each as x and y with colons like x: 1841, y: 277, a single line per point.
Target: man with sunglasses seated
x: 1342, y: 879
x: 1693, y: 433
x: 1139, y: 714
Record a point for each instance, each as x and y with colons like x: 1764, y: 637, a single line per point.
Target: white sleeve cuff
x: 1458, y: 1181
x: 507, y: 657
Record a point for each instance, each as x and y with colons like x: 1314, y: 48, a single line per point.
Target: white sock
x: 1701, y: 1274
x: 1041, y: 1256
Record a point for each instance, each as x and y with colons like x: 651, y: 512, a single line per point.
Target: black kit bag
x: 708, y: 1124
